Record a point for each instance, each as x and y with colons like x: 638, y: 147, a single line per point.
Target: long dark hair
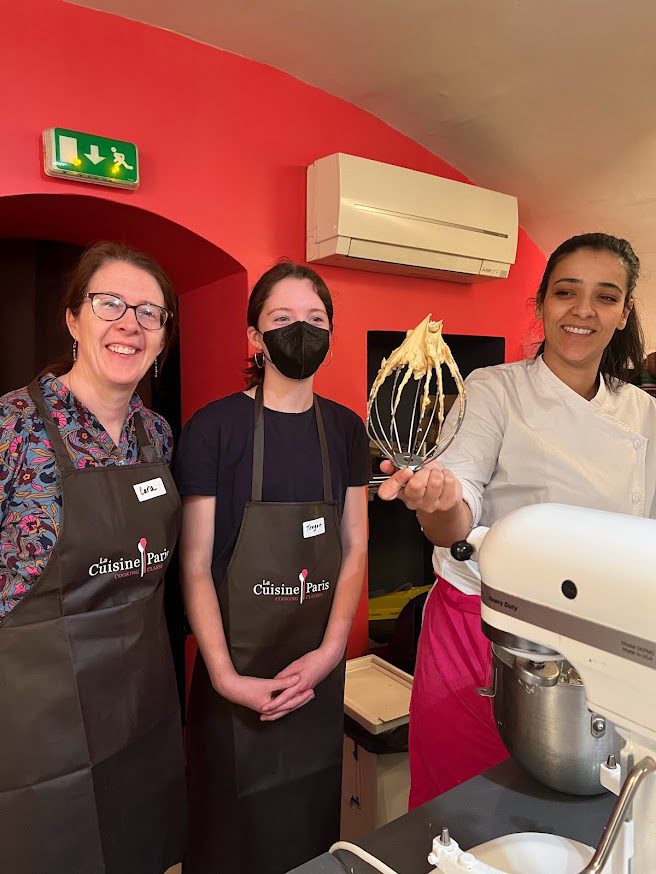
x: 261, y: 291
x: 91, y: 260
x: 622, y: 359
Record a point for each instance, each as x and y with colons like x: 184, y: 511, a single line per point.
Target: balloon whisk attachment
x: 406, y: 420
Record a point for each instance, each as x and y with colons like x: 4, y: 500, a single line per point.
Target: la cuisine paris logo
x: 141, y: 563
x: 306, y: 590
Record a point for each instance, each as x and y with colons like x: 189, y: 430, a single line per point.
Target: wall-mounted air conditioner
x: 376, y: 216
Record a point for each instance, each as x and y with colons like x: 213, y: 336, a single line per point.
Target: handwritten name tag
x: 314, y: 527
x: 151, y: 488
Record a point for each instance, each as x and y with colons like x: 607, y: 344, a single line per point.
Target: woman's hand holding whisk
x: 436, y: 495
x: 431, y: 489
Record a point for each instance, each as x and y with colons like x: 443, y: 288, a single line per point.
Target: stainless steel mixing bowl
x: 543, y: 720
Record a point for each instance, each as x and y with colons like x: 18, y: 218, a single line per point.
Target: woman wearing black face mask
x: 272, y: 554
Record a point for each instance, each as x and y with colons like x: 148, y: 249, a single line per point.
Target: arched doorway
x: 41, y: 236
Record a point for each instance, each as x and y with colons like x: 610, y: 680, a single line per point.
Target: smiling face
x: 584, y: 304
x: 290, y: 300
x: 118, y: 352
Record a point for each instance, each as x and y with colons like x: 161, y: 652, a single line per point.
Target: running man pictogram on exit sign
x: 89, y: 158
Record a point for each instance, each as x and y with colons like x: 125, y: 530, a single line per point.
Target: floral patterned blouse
x: 30, y: 495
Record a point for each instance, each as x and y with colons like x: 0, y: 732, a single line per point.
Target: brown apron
x: 265, y: 796
x: 91, y: 766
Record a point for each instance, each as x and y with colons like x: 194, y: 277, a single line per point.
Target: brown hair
x: 261, y: 291
x: 91, y: 260
x: 623, y: 358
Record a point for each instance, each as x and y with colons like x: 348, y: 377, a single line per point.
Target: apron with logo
x: 265, y: 796
x: 91, y: 764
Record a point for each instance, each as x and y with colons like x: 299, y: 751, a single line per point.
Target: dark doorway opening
x: 33, y: 277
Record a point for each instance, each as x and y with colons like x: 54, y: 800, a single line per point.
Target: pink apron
x: 453, y: 736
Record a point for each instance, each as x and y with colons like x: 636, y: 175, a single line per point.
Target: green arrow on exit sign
x: 90, y: 158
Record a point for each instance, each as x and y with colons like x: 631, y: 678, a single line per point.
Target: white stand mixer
x: 567, y: 582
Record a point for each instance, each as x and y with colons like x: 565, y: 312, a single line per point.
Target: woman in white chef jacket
x: 565, y: 427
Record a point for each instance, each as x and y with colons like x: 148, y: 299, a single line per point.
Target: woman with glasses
x: 91, y: 769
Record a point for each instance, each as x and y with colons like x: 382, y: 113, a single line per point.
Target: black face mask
x: 298, y: 349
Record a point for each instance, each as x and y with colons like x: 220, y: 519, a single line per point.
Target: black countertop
x: 501, y: 801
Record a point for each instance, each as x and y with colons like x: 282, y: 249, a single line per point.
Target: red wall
x: 224, y: 143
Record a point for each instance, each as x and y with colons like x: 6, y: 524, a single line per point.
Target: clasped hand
x: 290, y: 689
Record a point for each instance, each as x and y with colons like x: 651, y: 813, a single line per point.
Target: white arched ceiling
x: 551, y: 101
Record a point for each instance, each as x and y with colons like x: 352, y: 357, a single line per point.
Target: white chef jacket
x: 528, y: 438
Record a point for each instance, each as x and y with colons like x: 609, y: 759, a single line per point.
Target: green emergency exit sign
x: 90, y: 158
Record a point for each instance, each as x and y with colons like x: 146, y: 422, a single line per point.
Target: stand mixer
x: 567, y: 582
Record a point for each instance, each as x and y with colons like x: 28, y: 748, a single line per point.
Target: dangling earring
x: 74, y: 350
x: 331, y: 358
x: 155, y: 368
x: 259, y: 364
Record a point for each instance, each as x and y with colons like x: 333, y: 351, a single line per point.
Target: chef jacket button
x: 636, y: 444
x: 636, y: 498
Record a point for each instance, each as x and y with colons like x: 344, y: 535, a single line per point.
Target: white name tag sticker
x: 314, y: 527
x: 151, y: 488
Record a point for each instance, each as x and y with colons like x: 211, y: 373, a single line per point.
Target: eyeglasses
x: 110, y: 308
